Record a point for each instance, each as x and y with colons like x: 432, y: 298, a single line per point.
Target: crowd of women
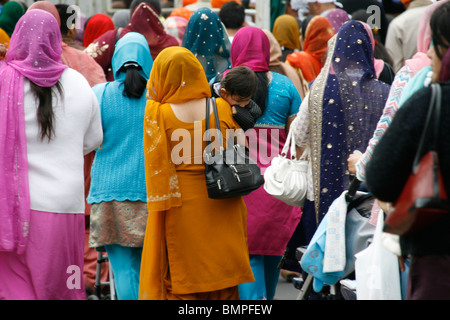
x: 92, y: 117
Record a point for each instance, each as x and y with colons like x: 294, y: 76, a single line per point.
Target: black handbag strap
x: 434, y: 114
x: 207, y: 122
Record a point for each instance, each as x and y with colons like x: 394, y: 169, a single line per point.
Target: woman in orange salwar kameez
x: 195, y: 247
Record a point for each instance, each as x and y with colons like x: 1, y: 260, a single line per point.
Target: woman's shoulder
x: 74, y: 77
x: 225, y: 113
x: 281, y: 80
x: 281, y: 85
x: 223, y: 107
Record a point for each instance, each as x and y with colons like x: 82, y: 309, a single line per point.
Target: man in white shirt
x: 401, y: 38
x: 321, y: 7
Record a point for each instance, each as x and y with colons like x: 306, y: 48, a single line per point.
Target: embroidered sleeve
x: 300, y: 125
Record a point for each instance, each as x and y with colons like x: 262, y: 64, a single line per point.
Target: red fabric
x: 145, y: 20
x: 97, y: 26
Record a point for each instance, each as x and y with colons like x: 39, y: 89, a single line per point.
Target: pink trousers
x: 52, y: 266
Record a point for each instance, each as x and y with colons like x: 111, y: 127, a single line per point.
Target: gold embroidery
x: 154, y: 133
x: 315, y: 114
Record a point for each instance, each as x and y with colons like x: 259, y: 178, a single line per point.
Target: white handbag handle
x: 290, y: 142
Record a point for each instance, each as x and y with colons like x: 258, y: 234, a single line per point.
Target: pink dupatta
x: 34, y: 53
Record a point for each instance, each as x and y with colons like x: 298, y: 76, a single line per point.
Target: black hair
x: 154, y: 3
x: 127, y: 3
x: 262, y: 90
x: 240, y: 81
x: 45, y: 113
x: 64, y: 15
x: 134, y: 84
x: 440, y: 28
x: 232, y: 14
x: 305, y: 23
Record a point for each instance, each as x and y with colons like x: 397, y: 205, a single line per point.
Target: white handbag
x: 286, y: 178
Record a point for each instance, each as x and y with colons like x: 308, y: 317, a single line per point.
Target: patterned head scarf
x: 46, y: 6
x: 176, y: 77
x: 353, y: 64
x: 206, y: 37
x: 286, y: 30
x: 337, y: 18
x: 35, y: 48
x: 346, y: 102
x: 97, y: 25
x: 146, y: 21
x: 34, y: 53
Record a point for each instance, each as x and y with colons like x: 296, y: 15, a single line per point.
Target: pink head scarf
x: 36, y: 47
x: 420, y: 59
x: 378, y: 63
x: 251, y: 48
x: 47, y: 6
x: 34, y: 53
x: 424, y: 33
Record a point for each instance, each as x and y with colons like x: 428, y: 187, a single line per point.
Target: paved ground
x: 286, y: 290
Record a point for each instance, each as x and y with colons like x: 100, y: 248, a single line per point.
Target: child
x: 237, y: 86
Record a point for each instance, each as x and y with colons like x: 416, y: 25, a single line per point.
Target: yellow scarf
x: 176, y: 77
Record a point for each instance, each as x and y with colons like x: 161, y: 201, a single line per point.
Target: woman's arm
x: 392, y: 159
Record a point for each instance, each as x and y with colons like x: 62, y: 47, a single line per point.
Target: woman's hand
x: 353, y: 160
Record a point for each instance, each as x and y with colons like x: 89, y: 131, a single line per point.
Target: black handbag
x: 231, y: 172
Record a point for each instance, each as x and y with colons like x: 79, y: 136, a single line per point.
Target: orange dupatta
x: 177, y: 76
x: 312, y: 58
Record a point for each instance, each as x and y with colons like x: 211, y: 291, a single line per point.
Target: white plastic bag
x: 286, y: 178
x: 377, y: 270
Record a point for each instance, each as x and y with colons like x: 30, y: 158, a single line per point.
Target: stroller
x: 330, y: 268
x: 99, y: 285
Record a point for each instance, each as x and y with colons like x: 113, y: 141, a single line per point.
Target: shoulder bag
x: 231, y: 172
x: 423, y: 199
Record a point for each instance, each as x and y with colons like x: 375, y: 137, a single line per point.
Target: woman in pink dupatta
x: 413, y: 72
x: 41, y: 164
x: 144, y: 20
x: 270, y: 222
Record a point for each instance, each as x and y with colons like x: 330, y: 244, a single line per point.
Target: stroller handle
x: 354, y: 186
